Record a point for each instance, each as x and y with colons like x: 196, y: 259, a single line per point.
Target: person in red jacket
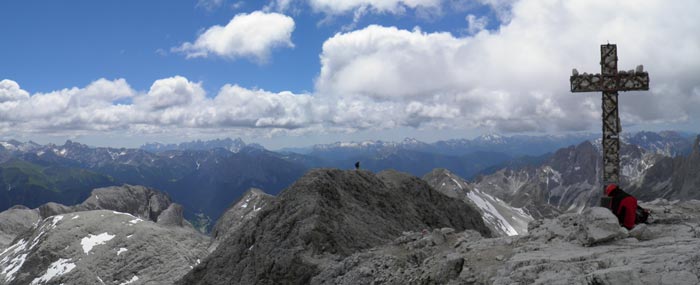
x: 623, y: 205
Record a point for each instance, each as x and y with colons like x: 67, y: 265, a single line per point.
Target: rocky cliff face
x: 673, y: 178
x: 501, y: 218
x: 569, y: 181
x: 324, y: 217
x: 144, y: 202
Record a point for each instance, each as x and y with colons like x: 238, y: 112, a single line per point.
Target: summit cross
x: 610, y: 81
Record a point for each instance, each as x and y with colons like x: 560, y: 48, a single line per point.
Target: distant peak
x: 232, y: 145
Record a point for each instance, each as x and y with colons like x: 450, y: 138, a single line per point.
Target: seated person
x: 625, y: 207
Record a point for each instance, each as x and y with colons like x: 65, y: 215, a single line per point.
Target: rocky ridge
x: 324, y: 217
x: 246, y: 208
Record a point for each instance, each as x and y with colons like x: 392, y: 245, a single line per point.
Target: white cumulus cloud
x: 251, y: 35
x: 382, y: 6
x: 516, y: 78
x: 172, y: 105
x: 513, y: 79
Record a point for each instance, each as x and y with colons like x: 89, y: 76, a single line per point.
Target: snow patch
x: 21, y: 245
x: 8, y: 146
x: 122, y: 213
x: 491, y: 213
x: 56, y: 269
x: 75, y: 217
x: 55, y: 220
x: 457, y: 183
x: 134, y: 221
x: 94, y: 240
x: 133, y: 279
x: 14, y: 265
x: 121, y: 250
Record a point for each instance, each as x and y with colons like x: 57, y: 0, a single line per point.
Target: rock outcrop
x: 143, y: 202
x: 136, y: 200
x: 101, y: 247
x: 14, y: 222
x: 587, y: 248
x: 246, y: 208
x: 325, y: 216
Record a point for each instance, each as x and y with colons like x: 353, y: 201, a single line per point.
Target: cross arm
x: 586, y: 82
x: 632, y: 81
x: 622, y: 81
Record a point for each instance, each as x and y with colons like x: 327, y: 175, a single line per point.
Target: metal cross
x: 610, y: 81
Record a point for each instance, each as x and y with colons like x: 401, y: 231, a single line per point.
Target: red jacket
x: 623, y: 205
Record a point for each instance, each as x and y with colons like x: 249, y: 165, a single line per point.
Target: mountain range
x: 532, y: 223
x: 207, y: 176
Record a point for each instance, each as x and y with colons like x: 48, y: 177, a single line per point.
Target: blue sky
x: 298, y: 72
x: 54, y: 45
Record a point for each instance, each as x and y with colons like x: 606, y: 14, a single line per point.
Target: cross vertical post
x: 611, y: 118
x: 610, y: 81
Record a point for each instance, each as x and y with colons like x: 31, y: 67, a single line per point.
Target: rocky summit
x: 324, y: 217
x: 586, y: 248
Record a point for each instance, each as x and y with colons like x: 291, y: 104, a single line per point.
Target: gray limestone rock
x: 14, y: 222
x: 328, y: 215
x: 550, y: 253
x: 598, y: 225
x: 143, y: 202
x: 101, y: 247
x: 136, y: 200
x: 51, y: 209
x: 172, y: 216
x: 246, y: 208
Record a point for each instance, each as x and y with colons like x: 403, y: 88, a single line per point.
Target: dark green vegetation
x: 32, y: 184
